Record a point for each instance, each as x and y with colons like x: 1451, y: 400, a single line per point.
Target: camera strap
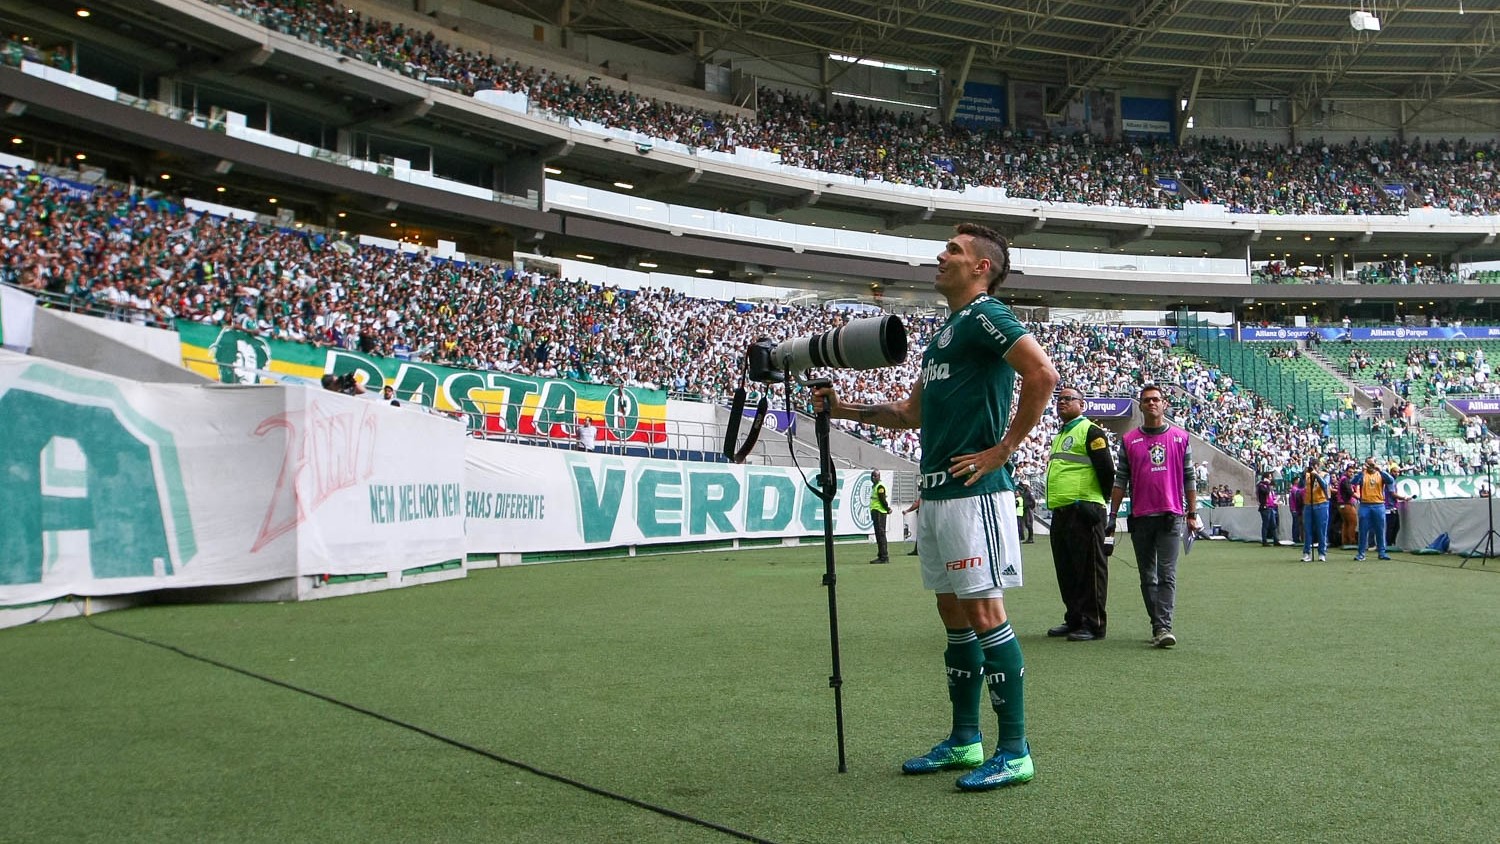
x: 736, y: 413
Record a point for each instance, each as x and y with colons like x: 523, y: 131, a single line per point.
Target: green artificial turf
x: 1306, y: 702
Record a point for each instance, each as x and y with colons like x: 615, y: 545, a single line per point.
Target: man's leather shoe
x: 1059, y: 630
x: 1084, y: 635
x: 878, y: 560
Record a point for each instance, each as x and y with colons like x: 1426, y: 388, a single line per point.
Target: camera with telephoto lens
x: 862, y: 344
x: 345, y: 383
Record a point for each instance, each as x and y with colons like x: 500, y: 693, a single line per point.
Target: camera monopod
x: 862, y: 344
x: 828, y: 486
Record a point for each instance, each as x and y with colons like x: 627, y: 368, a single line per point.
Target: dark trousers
x: 1156, y: 541
x: 882, y: 551
x: 1082, y: 567
x: 1392, y: 525
x: 1267, y: 526
x: 1297, y: 518
x: 1025, y: 527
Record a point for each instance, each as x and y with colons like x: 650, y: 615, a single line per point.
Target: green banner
x: 1431, y: 487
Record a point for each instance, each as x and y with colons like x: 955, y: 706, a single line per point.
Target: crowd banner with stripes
x: 496, y: 402
x: 524, y: 499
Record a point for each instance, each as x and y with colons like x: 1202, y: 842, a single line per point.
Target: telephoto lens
x: 868, y: 343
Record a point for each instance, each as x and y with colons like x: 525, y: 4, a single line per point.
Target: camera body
x: 346, y: 384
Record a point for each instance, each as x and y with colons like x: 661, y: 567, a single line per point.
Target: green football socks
x: 1004, y: 674
x: 964, y: 660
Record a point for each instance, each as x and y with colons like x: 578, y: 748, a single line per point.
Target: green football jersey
x: 967, y: 388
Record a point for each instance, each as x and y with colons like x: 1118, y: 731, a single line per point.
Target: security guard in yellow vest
x: 1025, y: 505
x: 1078, y: 471
x: 880, y: 507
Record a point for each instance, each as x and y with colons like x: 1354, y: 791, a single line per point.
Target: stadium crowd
x: 1429, y: 375
x: 151, y: 261
x: 1370, y: 177
x: 1384, y: 272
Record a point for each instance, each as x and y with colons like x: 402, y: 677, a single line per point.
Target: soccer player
x: 1156, y: 468
x: 970, y: 550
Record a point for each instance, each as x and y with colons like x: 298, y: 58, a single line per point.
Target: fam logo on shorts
x: 945, y: 338
x: 967, y: 563
x: 859, y: 501
x: 1158, y: 454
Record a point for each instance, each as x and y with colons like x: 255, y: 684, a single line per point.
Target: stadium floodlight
x: 1363, y: 21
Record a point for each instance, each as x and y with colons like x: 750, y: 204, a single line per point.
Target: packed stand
x: 1373, y: 177
x: 1428, y: 375
x: 149, y: 260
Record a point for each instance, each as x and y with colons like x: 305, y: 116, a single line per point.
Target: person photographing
x: 1317, y: 491
x: 1370, y: 487
x: 970, y: 549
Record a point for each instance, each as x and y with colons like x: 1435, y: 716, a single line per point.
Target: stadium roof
x: 1424, y: 51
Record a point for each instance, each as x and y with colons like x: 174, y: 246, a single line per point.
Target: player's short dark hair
x: 1150, y: 388
x: 991, y: 245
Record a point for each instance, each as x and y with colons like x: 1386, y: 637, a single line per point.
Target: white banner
x: 17, y: 314
x: 1150, y: 127
x: 111, y: 486
x: 375, y: 487
x: 522, y: 499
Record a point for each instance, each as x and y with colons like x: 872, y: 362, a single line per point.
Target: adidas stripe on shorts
x: 970, y: 545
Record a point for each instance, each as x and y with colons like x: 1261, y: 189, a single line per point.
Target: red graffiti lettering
x: 328, y: 448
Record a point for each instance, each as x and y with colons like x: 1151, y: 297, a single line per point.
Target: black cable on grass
x: 43, y: 616
x: 453, y: 742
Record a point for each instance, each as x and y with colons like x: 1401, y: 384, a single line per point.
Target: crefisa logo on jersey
x: 1158, y: 454
x: 945, y: 338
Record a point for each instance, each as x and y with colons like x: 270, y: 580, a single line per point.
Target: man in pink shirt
x: 1156, y: 468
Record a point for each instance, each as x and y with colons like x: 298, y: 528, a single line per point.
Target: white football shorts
x: 970, y: 546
